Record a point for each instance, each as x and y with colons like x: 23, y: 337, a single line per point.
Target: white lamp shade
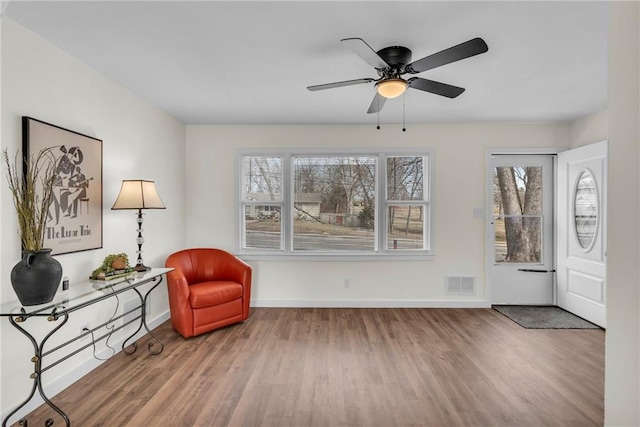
x: 138, y: 194
x: 391, y: 88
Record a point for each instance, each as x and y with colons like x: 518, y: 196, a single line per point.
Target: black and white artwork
x: 74, y: 220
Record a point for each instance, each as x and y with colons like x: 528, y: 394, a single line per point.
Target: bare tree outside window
x: 330, y: 195
x: 263, y: 176
x: 518, y: 214
x: 405, y: 222
x: 262, y: 196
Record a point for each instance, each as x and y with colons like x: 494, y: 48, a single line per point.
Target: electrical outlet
x: 347, y: 283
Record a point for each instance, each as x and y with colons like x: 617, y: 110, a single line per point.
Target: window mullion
x: 287, y: 201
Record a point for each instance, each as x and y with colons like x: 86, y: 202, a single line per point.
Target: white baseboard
x: 371, y: 303
x: 74, y: 373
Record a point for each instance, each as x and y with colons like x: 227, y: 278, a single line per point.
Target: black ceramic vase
x: 36, y: 277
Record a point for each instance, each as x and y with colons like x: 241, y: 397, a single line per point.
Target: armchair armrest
x: 230, y: 267
x: 178, y: 291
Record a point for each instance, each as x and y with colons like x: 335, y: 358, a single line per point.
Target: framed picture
x: 74, y: 220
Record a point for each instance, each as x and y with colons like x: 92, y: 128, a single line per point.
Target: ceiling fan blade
x: 364, y: 51
x: 376, y: 104
x: 340, y: 84
x: 456, y: 53
x: 438, y: 88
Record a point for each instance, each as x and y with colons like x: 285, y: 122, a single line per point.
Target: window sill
x: 252, y: 256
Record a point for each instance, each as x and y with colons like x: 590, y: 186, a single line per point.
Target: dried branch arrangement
x: 32, y: 194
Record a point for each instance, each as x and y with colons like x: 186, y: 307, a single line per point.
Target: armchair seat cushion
x: 207, y: 294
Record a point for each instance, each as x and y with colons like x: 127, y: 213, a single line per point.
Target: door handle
x: 533, y: 270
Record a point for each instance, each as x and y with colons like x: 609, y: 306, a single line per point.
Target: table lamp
x: 138, y: 194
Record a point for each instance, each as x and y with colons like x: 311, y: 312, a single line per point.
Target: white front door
x: 581, y: 251
x: 521, y: 221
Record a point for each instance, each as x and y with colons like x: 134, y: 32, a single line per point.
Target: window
x: 333, y: 203
x: 262, y: 201
x: 361, y: 203
x: 518, y: 214
x: 406, y: 204
x: 585, y: 209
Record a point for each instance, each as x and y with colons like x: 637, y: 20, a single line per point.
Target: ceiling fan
x: 393, y: 62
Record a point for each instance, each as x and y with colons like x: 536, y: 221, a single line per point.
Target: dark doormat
x: 543, y: 317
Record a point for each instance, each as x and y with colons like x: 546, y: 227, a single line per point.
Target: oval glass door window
x: 585, y: 204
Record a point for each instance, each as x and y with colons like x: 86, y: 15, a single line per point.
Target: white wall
x: 459, y: 187
x: 622, y: 364
x: 589, y: 129
x: 139, y: 141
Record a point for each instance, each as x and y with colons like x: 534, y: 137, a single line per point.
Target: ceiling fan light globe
x: 391, y: 88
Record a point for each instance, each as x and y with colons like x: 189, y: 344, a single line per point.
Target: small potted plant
x: 114, y: 266
x: 36, y: 277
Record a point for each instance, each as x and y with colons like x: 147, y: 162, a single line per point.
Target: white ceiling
x: 250, y: 62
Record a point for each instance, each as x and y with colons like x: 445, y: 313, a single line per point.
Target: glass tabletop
x: 82, y: 294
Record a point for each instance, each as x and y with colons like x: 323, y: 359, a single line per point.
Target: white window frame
x: 381, y: 204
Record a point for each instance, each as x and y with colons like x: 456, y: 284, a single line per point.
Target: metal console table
x: 80, y: 295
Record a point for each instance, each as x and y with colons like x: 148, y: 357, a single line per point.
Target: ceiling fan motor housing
x: 395, y: 55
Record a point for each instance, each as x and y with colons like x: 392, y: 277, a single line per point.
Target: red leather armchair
x: 208, y: 289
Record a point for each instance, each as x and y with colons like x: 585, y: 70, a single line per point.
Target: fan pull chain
x: 404, y: 113
x: 404, y: 128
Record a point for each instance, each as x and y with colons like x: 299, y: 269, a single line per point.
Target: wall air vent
x: 460, y: 285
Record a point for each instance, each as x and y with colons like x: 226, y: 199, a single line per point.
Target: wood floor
x: 350, y: 367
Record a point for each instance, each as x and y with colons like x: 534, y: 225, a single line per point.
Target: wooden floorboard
x: 350, y: 367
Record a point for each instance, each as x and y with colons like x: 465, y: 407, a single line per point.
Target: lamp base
x: 141, y: 268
